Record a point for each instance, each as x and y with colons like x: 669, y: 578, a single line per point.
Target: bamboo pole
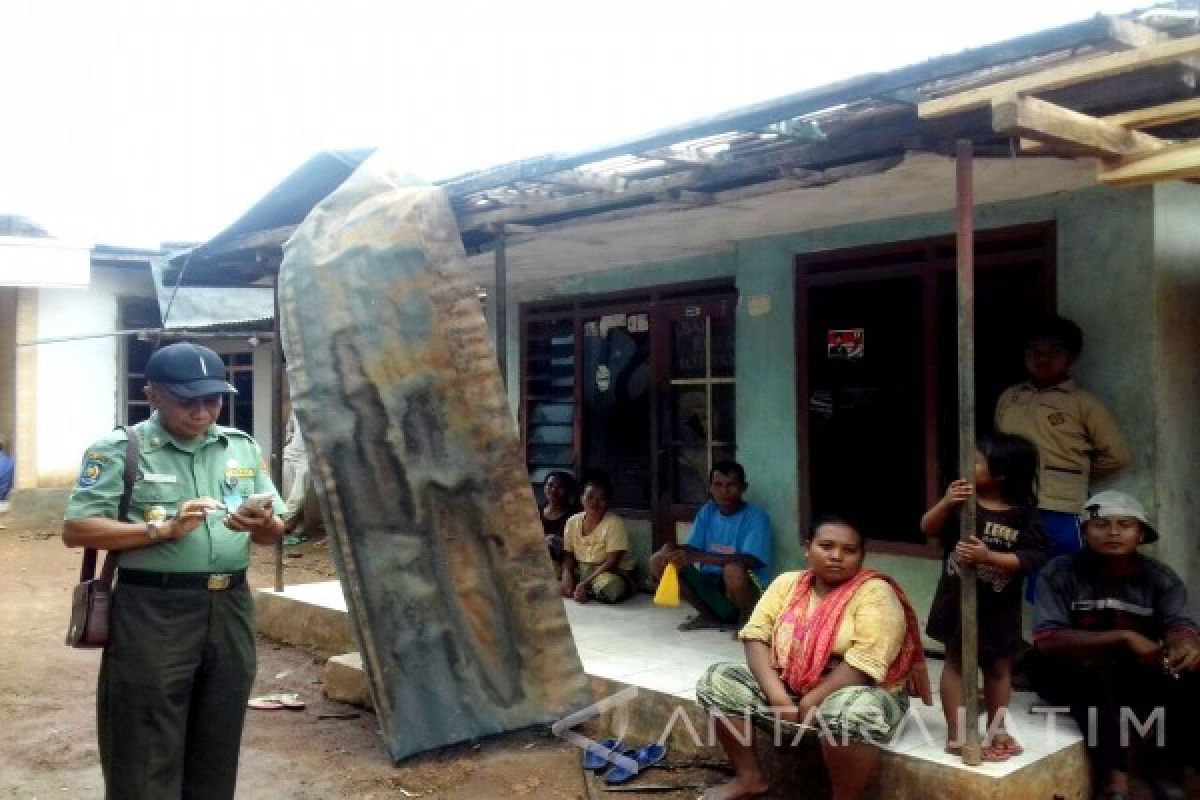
x: 500, y: 289
x: 971, y: 751
x: 277, y: 422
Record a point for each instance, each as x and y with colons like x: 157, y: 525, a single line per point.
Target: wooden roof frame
x: 1128, y: 156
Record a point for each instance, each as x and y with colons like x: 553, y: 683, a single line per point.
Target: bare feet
x: 740, y: 788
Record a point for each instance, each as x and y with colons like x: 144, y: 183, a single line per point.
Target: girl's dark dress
x: 553, y: 528
x: 1018, y: 531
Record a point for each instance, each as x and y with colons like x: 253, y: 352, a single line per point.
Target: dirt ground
x: 329, y: 750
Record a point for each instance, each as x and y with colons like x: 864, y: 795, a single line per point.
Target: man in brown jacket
x: 1076, y: 437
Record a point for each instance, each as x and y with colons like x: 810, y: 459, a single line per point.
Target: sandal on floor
x: 273, y: 702
x: 699, y: 622
x: 644, y: 757
x: 1002, y: 748
x: 597, y: 755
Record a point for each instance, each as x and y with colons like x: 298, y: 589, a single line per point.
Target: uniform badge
x: 93, y: 467
x: 231, y: 481
x: 155, y: 514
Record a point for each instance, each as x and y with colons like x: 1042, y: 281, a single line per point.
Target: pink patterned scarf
x: 813, y: 645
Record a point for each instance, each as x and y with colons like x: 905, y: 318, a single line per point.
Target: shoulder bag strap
x: 88, y: 570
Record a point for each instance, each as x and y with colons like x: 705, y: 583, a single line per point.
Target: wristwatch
x: 154, y: 530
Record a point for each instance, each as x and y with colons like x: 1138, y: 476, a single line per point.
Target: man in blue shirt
x: 6, y: 475
x: 727, y: 560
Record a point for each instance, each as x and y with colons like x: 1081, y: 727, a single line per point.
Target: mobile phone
x: 260, y: 502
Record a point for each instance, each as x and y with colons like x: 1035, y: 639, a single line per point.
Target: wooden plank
x: 1046, y: 122
x: 1180, y: 162
x: 1065, y: 75
x: 1132, y: 33
x: 1154, y: 116
x: 588, y: 181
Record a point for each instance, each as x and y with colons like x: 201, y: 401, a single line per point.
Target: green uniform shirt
x: 224, y: 462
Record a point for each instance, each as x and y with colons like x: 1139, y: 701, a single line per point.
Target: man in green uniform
x: 179, y: 665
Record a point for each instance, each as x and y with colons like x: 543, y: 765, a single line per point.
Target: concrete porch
x: 637, y: 645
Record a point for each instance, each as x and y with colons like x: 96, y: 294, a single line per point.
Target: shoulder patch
x: 95, y: 463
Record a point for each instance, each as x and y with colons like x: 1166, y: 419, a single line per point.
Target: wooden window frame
x: 578, y: 307
x: 927, y: 259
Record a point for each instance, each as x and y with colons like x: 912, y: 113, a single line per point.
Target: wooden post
x: 971, y: 752
x: 277, y: 421
x: 501, y: 306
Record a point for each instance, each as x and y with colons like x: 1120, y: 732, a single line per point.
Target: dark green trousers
x: 174, y: 682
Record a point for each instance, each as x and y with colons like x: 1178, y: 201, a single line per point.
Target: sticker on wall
x: 603, y: 378
x: 845, y: 344
x: 759, y: 305
x: 610, y: 321
x: 638, y: 323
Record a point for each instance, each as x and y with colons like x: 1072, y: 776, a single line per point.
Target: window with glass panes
x: 639, y: 386
x: 138, y: 313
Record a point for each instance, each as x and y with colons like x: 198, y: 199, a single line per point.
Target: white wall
x: 76, y: 380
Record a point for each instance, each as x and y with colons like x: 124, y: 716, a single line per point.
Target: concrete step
x: 307, y: 615
x: 28, y: 507
x: 634, y: 656
x: 346, y: 681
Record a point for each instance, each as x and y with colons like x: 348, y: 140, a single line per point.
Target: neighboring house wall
x: 8, y: 365
x: 1105, y: 251
x: 1176, y: 342
x: 76, y: 380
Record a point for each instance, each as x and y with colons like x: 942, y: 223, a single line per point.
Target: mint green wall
x: 1176, y: 506
x: 1106, y: 247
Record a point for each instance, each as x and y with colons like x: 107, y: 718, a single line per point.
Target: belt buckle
x: 219, y: 583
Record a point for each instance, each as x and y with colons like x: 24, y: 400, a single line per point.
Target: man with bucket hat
x: 1118, y: 646
x: 177, y: 671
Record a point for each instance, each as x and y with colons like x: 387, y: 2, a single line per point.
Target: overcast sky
x: 136, y: 122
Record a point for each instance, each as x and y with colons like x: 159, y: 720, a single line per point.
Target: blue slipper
x: 644, y: 757
x: 598, y: 755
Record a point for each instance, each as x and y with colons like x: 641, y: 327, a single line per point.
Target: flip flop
x: 1005, y: 744
x: 596, y: 756
x: 995, y: 753
x: 273, y: 702
x: 645, y: 757
x: 264, y: 702
x: 699, y: 622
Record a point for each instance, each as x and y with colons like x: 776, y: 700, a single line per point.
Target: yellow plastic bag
x: 668, y: 588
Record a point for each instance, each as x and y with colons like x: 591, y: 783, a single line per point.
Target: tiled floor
x: 638, y: 643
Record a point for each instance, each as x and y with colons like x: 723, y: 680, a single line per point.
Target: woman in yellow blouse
x: 835, y: 648
x: 596, y: 562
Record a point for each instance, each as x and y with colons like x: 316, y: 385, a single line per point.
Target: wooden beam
x: 1066, y: 75
x: 680, y: 157
x: 1153, y: 117
x: 1181, y: 162
x: 1046, y: 122
x: 1134, y: 34
x: 588, y: 181
x: 1137, y: 34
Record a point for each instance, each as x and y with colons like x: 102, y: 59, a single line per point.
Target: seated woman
x: 834, y: 646
x: 1114, y: 638
x: 596, y: 560
x: 559, y: 491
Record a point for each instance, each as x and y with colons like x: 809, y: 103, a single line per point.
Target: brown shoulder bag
x: 93, y: 596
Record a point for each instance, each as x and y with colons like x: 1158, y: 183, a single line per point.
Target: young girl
x: 1009, y: 542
